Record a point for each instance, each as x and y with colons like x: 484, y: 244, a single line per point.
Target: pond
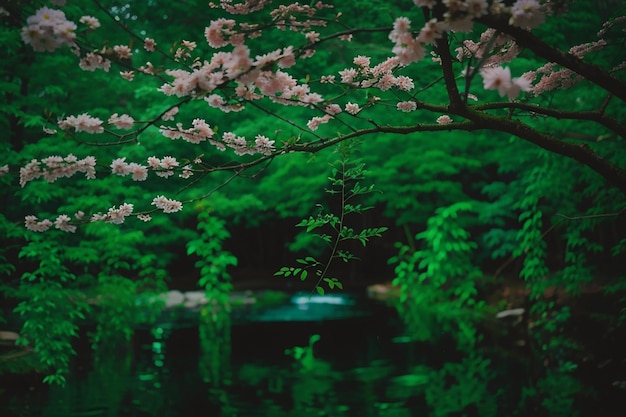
x: 301, y: 355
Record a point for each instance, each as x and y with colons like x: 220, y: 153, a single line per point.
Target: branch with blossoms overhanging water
x: 232, y: 80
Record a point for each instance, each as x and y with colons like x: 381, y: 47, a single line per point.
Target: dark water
x: 356, y: 368
x: 332, y: 356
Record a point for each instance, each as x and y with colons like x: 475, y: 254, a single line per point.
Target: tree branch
x: 592, y: 116
x: 579, y: 152
x: 528, y: 40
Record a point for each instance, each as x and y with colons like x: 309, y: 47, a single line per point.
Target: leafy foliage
x: 345, y: 182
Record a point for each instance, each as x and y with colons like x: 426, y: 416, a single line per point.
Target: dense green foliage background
x: 468, y: 213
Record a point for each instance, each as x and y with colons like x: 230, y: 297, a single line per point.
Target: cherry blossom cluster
x: 245, y: 7
x: 55, y: 167
x: 166, y: 204
x: 89, y: 124
x: 241, y: 146
x: 63, y: 222
x: 82, y: 123
x: 90, y: 21
x: 459, y: 17
x: 331, y: 110
x: 114, y: 215
x: 48, y: 29
x: 252, y: 81
x: 552, y: 77
x: 285, y: 16
x: 200, y: 132
x: 380, y: 76
x: 491, y: 50
x: 120, y: 167
x: 92, y: 61
x: 163, y: 167
x: 234, y: 76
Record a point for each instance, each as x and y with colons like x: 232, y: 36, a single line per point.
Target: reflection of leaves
x: 304, y: 354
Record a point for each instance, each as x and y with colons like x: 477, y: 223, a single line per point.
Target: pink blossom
x: 499, y: 78
x: 34, y: 225
x: 148, y: 68
x: 127, y: 75
x: 333, y: 109
x: 122, y: 51
x: 386, y: 81
x: 166, y: 204
x: 48, y: 30
x: 63, y: 223
x: 139, y: 172
x: 4, y: 169
x: 120, y: 167
x: 149, y: 44
x: 190, y: 45
x: 164, y: 173
x: 144, y: 217
x: 406, y: 106
x: 362, y: 61
x: 215, y: 100
x: 400, y: 26
x: 169, y: 115
x: 404, y: 83
x: 169, y: 162
x: 186, y: 172
x: 269, y: 58
x: 154, y: 162
x: 527, y: 14
x: 408, y: 51
x: 444, y: 120
x: 90, y: 21
x: 200, y: 132
x: 237, y: 143
x: 431, y: 31
x: 327, y: 79
x: 82, y: 123
x: 263, y: 145
x: 315, y: 122
x: 114, y: 215
x: 288, y: 59
x: 518, y: 84
x: 348, y: 75
x: 308, y: 53
x: 121, y: 122
x: 92, y: 62
x: 219, y: 31
x: 312, y: 36
x: 352, y: 108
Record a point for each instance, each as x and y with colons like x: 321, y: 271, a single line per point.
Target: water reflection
x: 360, y: 364
x: 266, y: 368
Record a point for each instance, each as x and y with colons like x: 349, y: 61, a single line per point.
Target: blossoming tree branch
x: 472, y: 46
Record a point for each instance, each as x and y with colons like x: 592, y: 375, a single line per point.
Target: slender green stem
x: 339, y: 229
